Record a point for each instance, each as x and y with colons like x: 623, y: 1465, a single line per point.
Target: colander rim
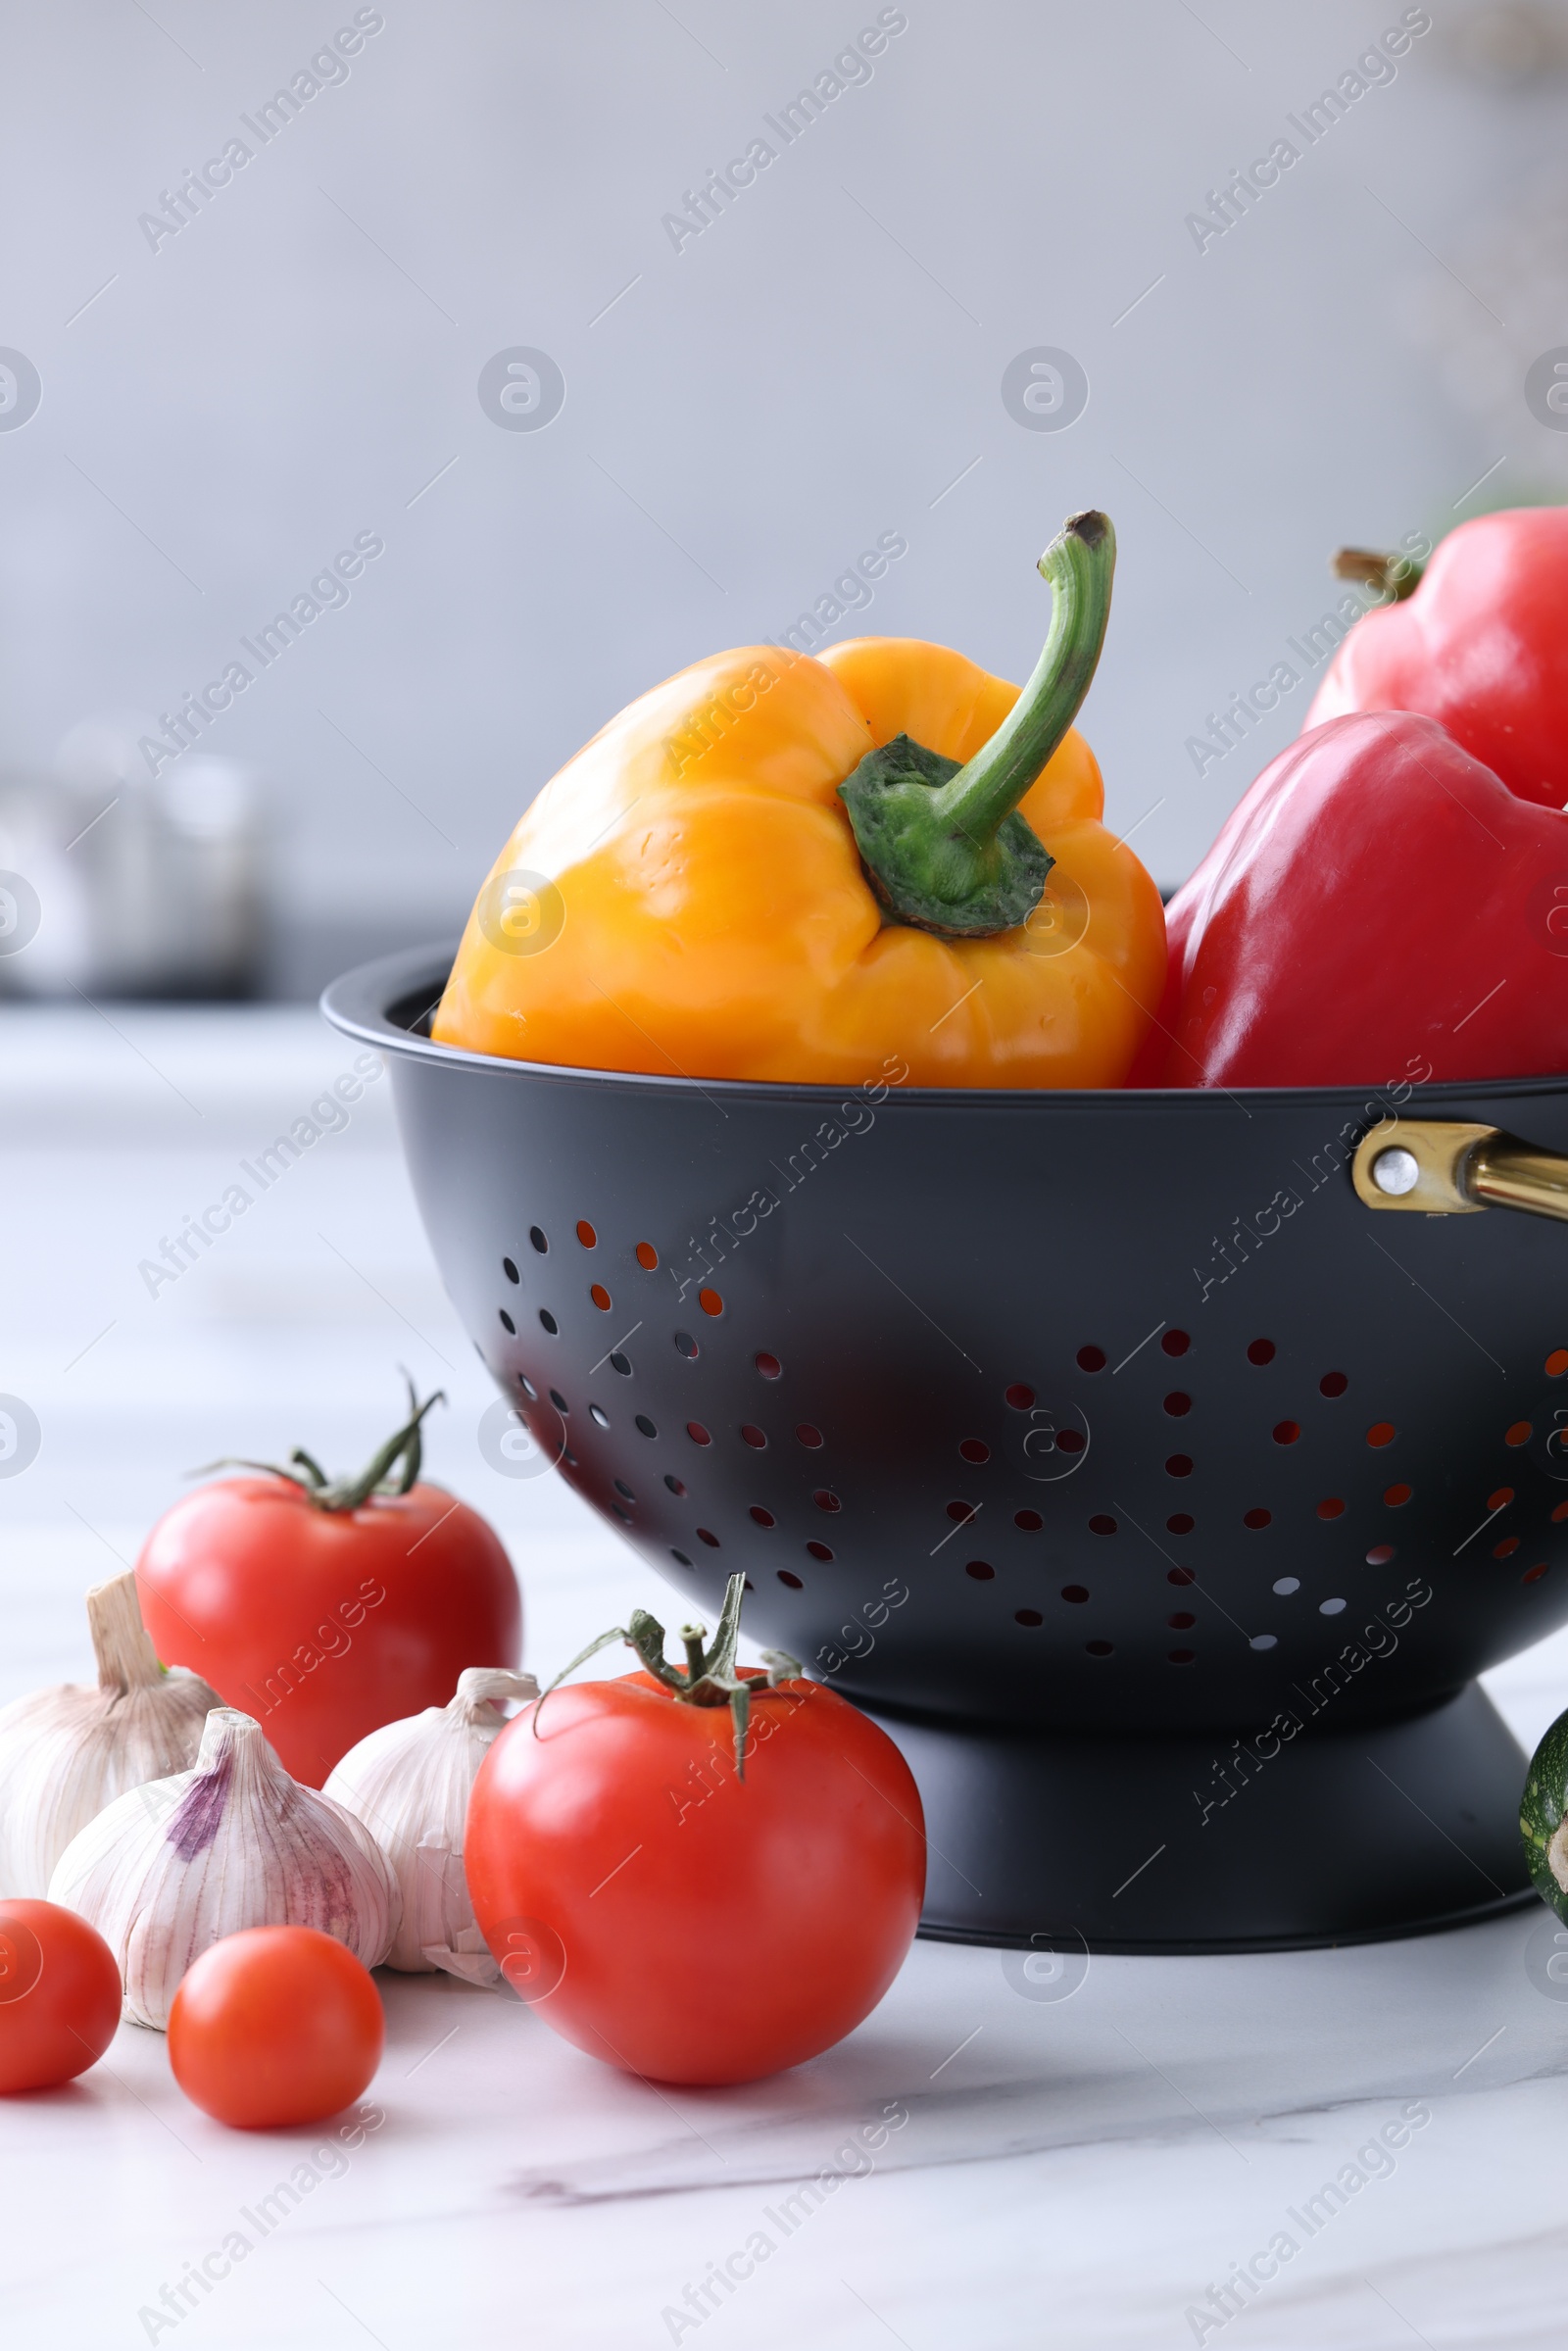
x: 365, y: 1004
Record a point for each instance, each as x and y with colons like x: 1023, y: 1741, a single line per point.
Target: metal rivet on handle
x: 1395, y: 1171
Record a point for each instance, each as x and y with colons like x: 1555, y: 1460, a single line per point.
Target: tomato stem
x: 707, y: 1678
x: 376, y: 1478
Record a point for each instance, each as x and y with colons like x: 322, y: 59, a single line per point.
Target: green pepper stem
x: 1077, y: 567
x: 944, y: 847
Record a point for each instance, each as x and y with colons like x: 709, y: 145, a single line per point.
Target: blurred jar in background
x: 115, y: 883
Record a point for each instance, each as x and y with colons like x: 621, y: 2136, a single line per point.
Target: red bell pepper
x: 1481, y: 646
x: 1379, y: 906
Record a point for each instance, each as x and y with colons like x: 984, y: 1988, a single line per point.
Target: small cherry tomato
x: 60, y: 1995
x: 275, y: 2024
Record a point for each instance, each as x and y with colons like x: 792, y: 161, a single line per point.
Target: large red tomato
x: 674, y: 1919
x: 60, y: 1995
x: 326, y: 1609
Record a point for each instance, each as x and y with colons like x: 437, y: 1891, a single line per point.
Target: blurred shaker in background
x: 113, y: 882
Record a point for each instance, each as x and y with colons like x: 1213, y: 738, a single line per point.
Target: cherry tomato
x: 674, y: 1919
x: 323, y: 1623
x: 275, y: 2024
x: 60, y: 1995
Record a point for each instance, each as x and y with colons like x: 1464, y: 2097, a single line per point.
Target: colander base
x: 1176, y: 1843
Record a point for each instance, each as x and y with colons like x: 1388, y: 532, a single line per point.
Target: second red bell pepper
x: 1378, y: 907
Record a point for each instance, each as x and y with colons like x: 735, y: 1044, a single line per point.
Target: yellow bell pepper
x: 784, y: 867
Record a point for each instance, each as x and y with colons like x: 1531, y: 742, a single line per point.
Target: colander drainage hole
x: 548, y: 1321
x: 586, y: 1233
x: 1397, y: 1496
x: 1181, y: 1575
x: 1382, y: 1432
x: 770, y: 1367
x: 1181, y: 1656
x: 787, y: 1576
x: 1021, y: 1398
x: 1506, y: 1548
x: 709, y: 1302
x: 1380, y: 1554
x: 1099, y: 1648
x: 962, y: 1512
x: 1518, y: 1434
x: 1263, y: 1641
x: 1177, y: 1405
x: 808, y: 1436
x: 754, y: 1435
x: 712, y: 1542
x: 507, y: 1323
x: 528, y: 1388
x: 646, y: 1257
x: 1261, y: 1351
x: 1257, y: 1518
x: 826, y: 1499
x: 621, y: 1363
x: 1180, y: 1522
x: 1076, y: 1593
x: 1179, y: 1465
x: 625, y: 1490
x: 686, y: 1344
x: 1182, y: 1622
x: 646, y: 1425
x: 1333, y: 1383
x: 1027, y: 1616
x: 981, y: 1570
x: 1102, y: 1524
x: 597, y: 1412
x: 1030, y: 1520
x: 696, y: 1432
x: 1532, y: 1575
x: 764, y: 1518
x: 1559, y: 1514
x: 1286, y: 1585
x: 1557, y: 1362
x: 1286, y: 1432
x: 1331, y: 1607
x: 680, y: 1556
x: 599, y: 1296
x: 1500, y: 1497
x: 819, y: 1551
x: 1176, y: 1343
x: 677, y: 1486
x: 1090, y: 1359
x: 559, y: 1401
x: 538, y: 1238
x: 975, y: 1449
x: 509, y: 1270
x: 1331, y: 1506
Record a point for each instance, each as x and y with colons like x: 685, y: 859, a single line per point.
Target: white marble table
x: 1071, y: 2171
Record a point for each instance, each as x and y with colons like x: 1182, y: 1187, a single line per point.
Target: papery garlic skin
x: 410, y: 1784
x: 67, y: 1752
x: 173, y: 1867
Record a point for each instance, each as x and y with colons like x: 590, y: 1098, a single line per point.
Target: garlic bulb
x: 172, y: 1868
x: 67, y: 1752
x: 409, y: 1783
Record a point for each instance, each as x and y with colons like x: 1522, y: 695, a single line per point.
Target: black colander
x: 1161, y: 1498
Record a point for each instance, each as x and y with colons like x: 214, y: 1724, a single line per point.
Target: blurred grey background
x: 234, y: 387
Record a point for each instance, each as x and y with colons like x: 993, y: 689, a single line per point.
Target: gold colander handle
x: 1437, y: 1167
